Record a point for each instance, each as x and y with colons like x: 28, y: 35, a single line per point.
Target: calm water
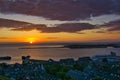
x: 54, y: 53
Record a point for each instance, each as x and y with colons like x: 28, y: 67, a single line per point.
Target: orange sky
x: 59, y: 21
x: 35, y: 36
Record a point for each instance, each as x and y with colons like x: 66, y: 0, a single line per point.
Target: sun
x: 31, y: 42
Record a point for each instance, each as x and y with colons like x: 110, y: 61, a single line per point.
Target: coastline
x: 76, y: 46
x: 64, y: 69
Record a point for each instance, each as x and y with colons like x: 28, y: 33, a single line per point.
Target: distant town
x: 98, y: 67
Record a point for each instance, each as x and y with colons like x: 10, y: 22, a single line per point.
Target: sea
x: 46, y: 52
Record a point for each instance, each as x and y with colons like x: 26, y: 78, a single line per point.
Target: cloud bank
x: 66, y: 27
x: 61, y: 9
x: 64, y: 10
x: 113, y: 26
x: 24, y: 26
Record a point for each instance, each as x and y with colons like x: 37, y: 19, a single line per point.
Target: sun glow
x: 31, y: 40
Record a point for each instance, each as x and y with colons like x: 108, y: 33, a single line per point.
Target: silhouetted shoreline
x: 92, y: 46
x: 78, y: 46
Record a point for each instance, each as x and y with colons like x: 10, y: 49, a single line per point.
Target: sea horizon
x: 49, y: 51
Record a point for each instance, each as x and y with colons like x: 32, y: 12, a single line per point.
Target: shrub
x: 4, y: 78
x: 78, y: 67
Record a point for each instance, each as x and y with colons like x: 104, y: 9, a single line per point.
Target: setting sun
x: 31, y: 42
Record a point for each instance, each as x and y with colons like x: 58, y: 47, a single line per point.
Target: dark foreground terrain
x: 105, y: 67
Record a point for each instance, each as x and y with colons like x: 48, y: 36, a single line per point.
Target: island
x: 77, y: 46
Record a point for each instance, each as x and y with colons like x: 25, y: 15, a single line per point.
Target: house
x: 112, y: 57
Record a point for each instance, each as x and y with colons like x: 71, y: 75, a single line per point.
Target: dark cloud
x: 67, y: 27
x: 18, y: 25
x: 61, y: 9
x: 113, y: 26
x: 12, y: 23
x: 30, y: 27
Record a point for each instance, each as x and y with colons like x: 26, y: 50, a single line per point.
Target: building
x: 112, y: 57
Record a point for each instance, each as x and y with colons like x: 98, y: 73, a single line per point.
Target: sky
x: 41, y: 21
